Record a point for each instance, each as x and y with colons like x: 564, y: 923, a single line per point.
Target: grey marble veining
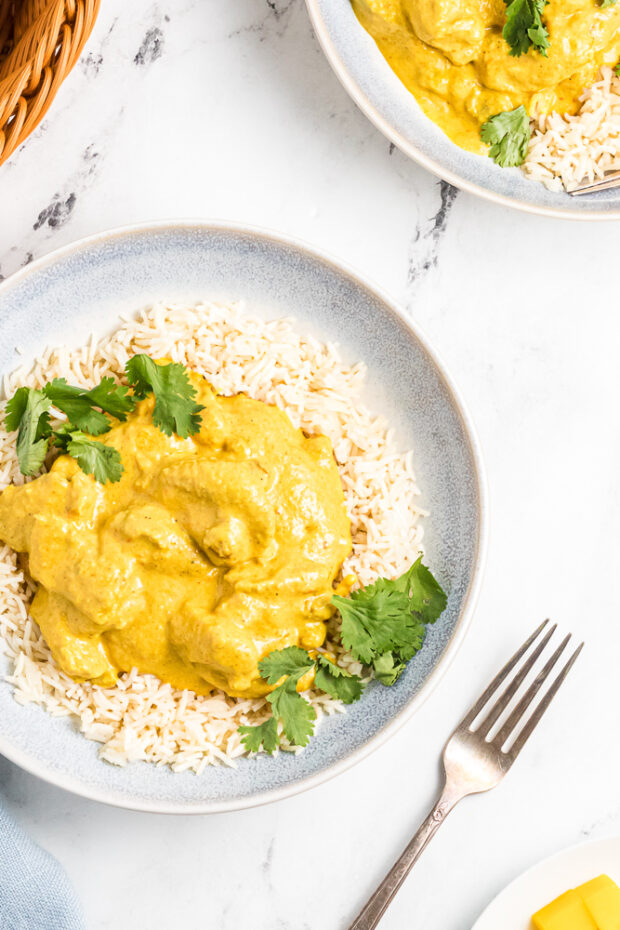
x: 426, y: 242
x: 241, y: 118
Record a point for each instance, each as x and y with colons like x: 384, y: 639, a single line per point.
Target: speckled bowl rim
x: 343, y: 74
x: 75, y: 786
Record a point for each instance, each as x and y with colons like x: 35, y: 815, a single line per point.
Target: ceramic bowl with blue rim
x: 83, y: 288
x: 379, y: 93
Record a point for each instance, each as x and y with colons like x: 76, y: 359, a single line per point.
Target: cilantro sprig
x: 383, y: 626
x: 337, y: 682
x: 91, y: 413
x: 175, y: 408
x: 284, y: 668
x: 80, y: 406
x: 508, y: 134
x: 524, y: 28
x: 28, y: 413
x: 94, y: 458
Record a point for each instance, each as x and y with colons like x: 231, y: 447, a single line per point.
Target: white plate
x: 514, y: 906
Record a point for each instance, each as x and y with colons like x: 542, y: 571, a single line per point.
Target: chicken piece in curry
x: 452, y: 56
x: 209, y: 553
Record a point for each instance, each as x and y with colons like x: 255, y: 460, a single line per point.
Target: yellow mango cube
x: 601, y: 897
x: 568, y: 912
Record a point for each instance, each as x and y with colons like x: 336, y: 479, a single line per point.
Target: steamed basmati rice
x: 142, y: 718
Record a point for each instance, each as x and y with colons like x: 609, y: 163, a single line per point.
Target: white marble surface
x: 227, y: 109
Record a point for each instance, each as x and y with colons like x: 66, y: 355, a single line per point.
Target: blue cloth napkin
x: 35, y: 893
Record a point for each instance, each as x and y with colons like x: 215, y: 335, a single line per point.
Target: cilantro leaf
x: 79, y: 404
x: 604, y: 4
x: 387, y: 670
x: 28, y: 413
x: 428, y: 598
x: 355, y: 633
x: 379, y: 619
x: 524, y: 28
x: 263, y: 734
x: 508, y: 134
x: 291, y: 661
x: 88, y: 413
x: 373, y: 619
x: 296, y: 714
x: 384, y: 624
x: 75, y: 403
x: 113, y: 398
x: 15, y: 409
x: 412, y: 641
x: 337, y: 682
x: 94, y: 458
x: 175, y: 409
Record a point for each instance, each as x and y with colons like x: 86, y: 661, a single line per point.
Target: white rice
x: 566, y: 151
x: 141, y: 718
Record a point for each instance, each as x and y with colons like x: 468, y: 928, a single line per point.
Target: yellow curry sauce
x: 208, y: 553
x: 452, y: 56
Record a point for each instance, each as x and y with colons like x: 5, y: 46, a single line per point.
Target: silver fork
x: 608, y: 182
x: 475, y: 761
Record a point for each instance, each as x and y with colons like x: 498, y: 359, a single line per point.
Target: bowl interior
x: 373, y: 85
x: 84, y: 288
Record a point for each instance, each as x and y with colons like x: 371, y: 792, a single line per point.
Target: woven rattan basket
x: 40, y: 41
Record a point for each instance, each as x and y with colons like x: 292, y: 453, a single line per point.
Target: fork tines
x: 510, y: 726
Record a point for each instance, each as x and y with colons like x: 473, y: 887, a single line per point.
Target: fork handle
x: 377, y: 904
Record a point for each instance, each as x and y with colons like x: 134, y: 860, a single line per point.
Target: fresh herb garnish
x: 383, y: 626
x: 338, y: 683
x: 88, y: 414
x: 296, y: 714
x: 94, y: 458
x: 508, y: 134
x: 606, y: 3
x: 263, y: 734
x: 287, y: 705
x: 175, y: 409
x: 28, y: 413
x: 79, y: 405
x: 524, y: 28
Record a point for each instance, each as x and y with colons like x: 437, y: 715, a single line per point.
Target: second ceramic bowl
x: 372, y: 84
